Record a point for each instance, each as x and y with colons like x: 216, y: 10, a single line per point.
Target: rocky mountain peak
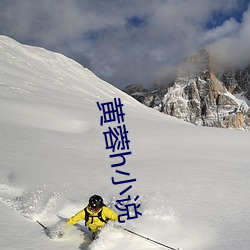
x: 200, y: 96
x: 196, y: 64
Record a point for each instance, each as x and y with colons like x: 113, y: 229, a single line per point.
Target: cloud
x: 233, y: 49
x: 228, y: 28
x: 124, y: 42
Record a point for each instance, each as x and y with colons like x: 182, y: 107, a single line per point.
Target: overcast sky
x: 131, y: 41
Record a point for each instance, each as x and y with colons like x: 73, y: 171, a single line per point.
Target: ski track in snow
x: 43, y: 117
x: 32, y: 204
x: 39, y: 204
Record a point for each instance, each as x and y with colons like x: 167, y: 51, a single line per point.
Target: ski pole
x: 45, y: 228
x: 150, y: 239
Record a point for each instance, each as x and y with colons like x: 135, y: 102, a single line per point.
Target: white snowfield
x: 193, y: 182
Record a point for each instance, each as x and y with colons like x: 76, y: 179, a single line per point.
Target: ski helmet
x: 95, y: 202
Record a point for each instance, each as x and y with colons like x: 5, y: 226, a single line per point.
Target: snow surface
x: 193, y: 182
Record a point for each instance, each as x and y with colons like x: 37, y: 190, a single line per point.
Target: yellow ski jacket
x: 94, y: 223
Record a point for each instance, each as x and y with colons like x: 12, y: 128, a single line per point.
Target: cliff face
x: 201, y: 97
x: 237, y: 81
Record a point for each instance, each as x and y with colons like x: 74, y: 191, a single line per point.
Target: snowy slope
x: 193, y: 182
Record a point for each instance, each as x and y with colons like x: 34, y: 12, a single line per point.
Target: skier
x: 95, y: 214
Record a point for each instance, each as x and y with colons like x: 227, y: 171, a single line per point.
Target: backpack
x: 99, y: 215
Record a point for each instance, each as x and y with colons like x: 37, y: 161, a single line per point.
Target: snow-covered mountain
x: 201, y: 96
x: 193, y: 182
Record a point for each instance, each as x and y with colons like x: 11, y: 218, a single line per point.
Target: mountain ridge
x: 201, y: 95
